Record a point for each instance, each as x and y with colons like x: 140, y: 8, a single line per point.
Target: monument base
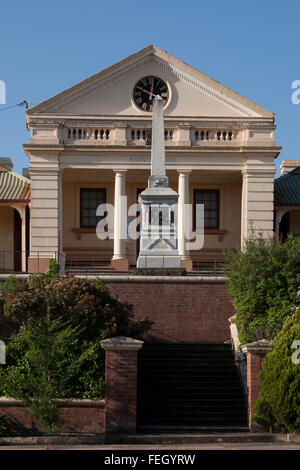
x: 155, y: 259
x: 159, y: 272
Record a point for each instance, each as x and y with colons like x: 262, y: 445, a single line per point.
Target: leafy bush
x: 278, y: 404
x: 43, y: 367
x: 53, y: 268
x: 263, y: 284
x: 88, y: 307
x: 9, y: 284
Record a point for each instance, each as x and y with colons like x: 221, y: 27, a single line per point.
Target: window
x: 90, y: 199
x: 211, y: 200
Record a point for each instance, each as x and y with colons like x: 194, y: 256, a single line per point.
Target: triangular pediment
x: 109, y: 92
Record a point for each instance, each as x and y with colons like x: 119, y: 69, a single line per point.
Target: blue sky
x: 47, y: 46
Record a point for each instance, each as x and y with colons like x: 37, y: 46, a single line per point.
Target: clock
x: 145, y: 91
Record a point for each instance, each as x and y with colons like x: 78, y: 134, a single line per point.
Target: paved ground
x: 108, y: 448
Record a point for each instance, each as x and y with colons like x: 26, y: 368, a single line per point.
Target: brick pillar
x: 120, y: 384
x: 255, y: 355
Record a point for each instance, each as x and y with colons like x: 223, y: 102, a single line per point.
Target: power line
x: 23, y: 103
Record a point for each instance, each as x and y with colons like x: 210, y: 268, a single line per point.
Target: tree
x: 278, y: 404
x: 88, y: 307
x: 263, y: 283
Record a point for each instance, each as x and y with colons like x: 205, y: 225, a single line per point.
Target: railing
x: 106, y: 135
x: 17, y: 261
x: 206, y: 135
x: 89, y: 264
x: 142, y: 136
x: 209, y: 267
x: 139, y: 136
x: 95, y: 134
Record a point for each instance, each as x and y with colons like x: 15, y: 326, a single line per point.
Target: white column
x: 183, y: 191
x: 120, y: 216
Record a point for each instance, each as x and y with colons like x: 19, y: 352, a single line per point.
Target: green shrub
x: 53, y: 268
x: 44, y: 352
x: 263, y: 283
x: 88, y: 307
x: 85, y: 303
x: 9, y: 284
x: 278, y: 406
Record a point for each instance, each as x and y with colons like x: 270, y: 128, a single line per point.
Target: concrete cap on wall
x: 121, y: 343
x: 258, y: 347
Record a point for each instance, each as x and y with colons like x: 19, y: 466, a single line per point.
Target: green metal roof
x: 287, y: 188
x: 13, y: 186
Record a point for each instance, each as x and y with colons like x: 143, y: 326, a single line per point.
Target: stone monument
x: 158, y: 242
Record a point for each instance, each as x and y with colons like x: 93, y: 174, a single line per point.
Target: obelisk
x: 158, y: 164
x: 158, y: 243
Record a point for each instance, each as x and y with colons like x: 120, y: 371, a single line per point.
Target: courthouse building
x: 92, y: 143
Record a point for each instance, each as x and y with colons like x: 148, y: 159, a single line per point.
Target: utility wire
x: 23, y: 103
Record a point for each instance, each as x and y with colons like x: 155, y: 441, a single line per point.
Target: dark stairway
x: 189, y: 387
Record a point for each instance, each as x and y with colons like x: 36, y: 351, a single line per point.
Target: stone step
x: 189, y: 384
x: 164, y: 435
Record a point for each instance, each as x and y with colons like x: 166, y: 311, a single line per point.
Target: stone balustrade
x: 139, y: 136
x: 95, y: 134
x: 216, y: 136
x: 132, y: 134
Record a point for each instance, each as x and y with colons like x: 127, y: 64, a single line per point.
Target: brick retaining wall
x: 77, y: 416
x: 184, y: 310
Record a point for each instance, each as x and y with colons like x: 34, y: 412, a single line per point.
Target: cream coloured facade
x: 93, y: 139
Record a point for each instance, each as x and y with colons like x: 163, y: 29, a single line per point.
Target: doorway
x: 17, y: 241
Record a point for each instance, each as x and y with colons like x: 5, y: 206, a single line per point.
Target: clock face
x: 145, y: 91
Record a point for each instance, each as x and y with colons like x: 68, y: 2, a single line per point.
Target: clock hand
x: 145, y: 91
x: 152, y: 86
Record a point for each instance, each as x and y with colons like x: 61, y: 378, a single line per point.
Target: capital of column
x: 119, y: 172
x: 184, y: 172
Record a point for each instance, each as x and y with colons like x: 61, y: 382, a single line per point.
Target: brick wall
x: 186, y: 311
x: 79, y: 416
